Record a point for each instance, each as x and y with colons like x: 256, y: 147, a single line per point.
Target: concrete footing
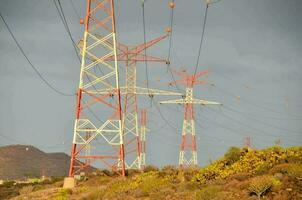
x: 69, y: 183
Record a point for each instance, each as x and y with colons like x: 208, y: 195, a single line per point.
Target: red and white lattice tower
x: 131, y: 56
x: 143, y: 130
x: 248, y: 142
x: 188, y: 147
x: 98, y: 124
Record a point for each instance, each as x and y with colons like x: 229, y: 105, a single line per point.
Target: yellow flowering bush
x: 251, y: 161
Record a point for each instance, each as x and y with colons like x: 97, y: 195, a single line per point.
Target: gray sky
x: 253, y: 49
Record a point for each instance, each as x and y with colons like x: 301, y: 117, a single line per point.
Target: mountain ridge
x: 23, y: 161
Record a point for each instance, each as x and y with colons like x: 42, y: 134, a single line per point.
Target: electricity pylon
x: 188, y: 147
x: 248, y: 142
x: 143, y: 130
x: 95, y: 92
x: 131, y: 55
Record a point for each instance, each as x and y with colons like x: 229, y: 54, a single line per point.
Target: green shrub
x: 207, y: 193
x: 108, y: 173
x: 189, y: 173
x: 131, y: 172
x: 260, y: 184
x: 169, y: 170
x: 63, y: 194
x: 295, y: 170
x: 150, y: 168
x: 232, y: 155
x: 95, y: 194
x: 55, y: 179
x: 120, y: 186
x: 26, y: 189
x: 8, y: 183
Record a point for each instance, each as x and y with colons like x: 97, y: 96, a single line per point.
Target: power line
x: 30, y: 63
x: 200, y: 126
x: 202, y: 37
x: 145, y: 49
x: 163, y: 118
x: 12, y: 139
x: 171, y: 27
x: 74, y: 8
x: 255, y: 115
x: 255, y: 105
x: 64, y: 21
x: 170, y: 45
x: 246, y: 86
x: 251, y: 127
x: 262, y: 122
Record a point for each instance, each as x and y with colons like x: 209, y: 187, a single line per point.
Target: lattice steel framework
x: 131, y: 55
x: 248, y: 142
x: 143, y: 130
x: 188, y: 147
x: 99, y: 84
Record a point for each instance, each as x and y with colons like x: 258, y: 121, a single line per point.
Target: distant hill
x: 21, y: 161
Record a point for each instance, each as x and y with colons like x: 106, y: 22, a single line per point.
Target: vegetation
x: 259, y: 185
x: 245, y: 174
x: 255, y: 162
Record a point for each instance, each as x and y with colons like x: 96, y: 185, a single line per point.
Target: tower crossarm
x: 153, y: 92
x: 190, y: 101
x: 124, y: 51
x: 141, y: 47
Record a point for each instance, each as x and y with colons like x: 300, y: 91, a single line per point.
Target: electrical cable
x: 145, y: 49
x: 246, y: 86
x: 253, y: 128
x: 171, y: 32
x: 199, y: 125
x: 31, y: 64
x: 170, y: 46
x: 74, y: 8
x: 162, y: 116
x: 267, y: 117
x: 262, y: 122
x: 64, y: 21
x: 202, y: 37
x: 256, y: 105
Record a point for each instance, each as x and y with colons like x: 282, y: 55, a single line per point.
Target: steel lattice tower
x: 248, y: 142
x: 143, y: 130
x: 131, y: 55
x: 99, y: 83
x: 188, y: 147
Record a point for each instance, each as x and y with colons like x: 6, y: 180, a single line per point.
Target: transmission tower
x: 131, y: 55
x: 143, y: 130
x: 95, y: 92
x: 248, y: 142
x: 188, y: 148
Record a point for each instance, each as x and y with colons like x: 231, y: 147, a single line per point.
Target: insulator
x: 172, y: 5
x: 82, y: 21
x: 168, y: 30
x: 168, y: 62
